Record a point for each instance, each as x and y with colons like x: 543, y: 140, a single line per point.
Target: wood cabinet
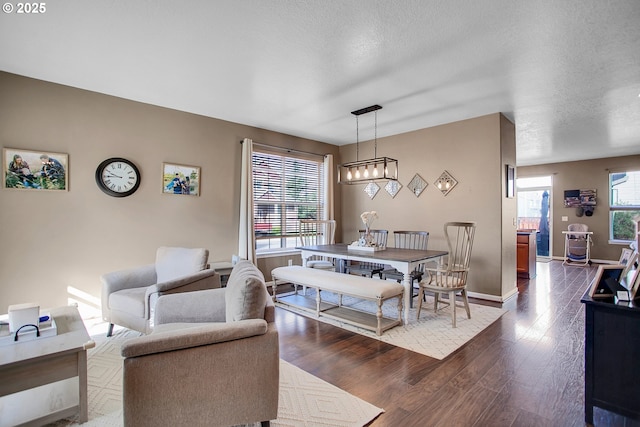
x: 526, y: 254
x: 612, y: 367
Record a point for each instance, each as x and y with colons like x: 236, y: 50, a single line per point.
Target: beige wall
x: 587, y: 174
x: 474, y: 152
x: 58, y: 244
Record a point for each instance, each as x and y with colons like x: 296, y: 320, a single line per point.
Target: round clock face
x: 118, y: 177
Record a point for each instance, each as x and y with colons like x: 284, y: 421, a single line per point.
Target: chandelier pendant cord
x: 357, y: 139
x: 375, y: 137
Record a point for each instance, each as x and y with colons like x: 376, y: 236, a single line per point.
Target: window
x: 624, y: 204
x: 285, y: 190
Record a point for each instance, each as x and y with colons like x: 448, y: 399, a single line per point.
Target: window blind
x: 286, y: 188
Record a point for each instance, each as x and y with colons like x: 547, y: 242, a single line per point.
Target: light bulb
x: 366, y: 172
x: 357, y: 173
x: 375, y: 171
x: 349, y: 176
x: 439, y: 185
x: 447, y: 185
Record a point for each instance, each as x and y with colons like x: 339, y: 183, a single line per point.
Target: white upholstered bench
x: 342, y: 284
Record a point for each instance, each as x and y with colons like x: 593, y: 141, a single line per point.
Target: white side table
x: 30, y: 364
x: 223, y: 268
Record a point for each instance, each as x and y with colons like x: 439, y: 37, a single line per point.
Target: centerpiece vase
x: 368, y: 238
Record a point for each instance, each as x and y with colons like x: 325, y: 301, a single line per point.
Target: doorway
x: 534, y: 212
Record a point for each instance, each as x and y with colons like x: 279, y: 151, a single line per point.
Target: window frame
x: 616, y: 208
x: 281, y: 215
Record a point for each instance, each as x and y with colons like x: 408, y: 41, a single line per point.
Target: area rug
x: 304, y: 399
x: 431, y: 335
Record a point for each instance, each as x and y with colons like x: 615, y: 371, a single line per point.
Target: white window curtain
x: 328, y: 187
x: 246, y: 237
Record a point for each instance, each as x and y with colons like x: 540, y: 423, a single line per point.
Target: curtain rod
x: 288, y: 150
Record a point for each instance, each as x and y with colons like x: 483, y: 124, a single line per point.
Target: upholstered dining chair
x: 369, y: 269
x: 408, y: 240
x: 451, y: 277
x: 129, y: 296
x: 318, y: 232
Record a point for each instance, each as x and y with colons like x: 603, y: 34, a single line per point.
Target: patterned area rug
x: 304, y: 400
x: 432, y: 335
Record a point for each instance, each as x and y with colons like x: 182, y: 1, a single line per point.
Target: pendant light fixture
x: 376, y: 169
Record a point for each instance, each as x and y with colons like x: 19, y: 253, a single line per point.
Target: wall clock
x: 118, y: 177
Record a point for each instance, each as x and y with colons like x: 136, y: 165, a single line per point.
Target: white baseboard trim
x: 494, y: 298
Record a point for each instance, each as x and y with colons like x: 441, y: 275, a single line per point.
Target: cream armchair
x: 211, y: 360
x: 129, y: 296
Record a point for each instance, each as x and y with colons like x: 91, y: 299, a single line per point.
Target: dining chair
x: 369, y: 269
x: 451, y: 277
x: 408, y: 240
x: 314, y: 232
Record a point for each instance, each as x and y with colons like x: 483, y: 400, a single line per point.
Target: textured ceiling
x: 566, y: 72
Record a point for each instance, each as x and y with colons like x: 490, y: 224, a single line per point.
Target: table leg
x: 82, y: 383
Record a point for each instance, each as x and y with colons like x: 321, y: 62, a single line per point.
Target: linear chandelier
x: 368, y: 170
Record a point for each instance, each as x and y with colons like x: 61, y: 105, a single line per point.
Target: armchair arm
x: 188, y: 337
x: 136, y: 277
x: 204, y: 279
x: 191, y: 307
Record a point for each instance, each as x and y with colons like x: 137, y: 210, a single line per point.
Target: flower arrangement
x: 368, y: 217
x: 367, y: 241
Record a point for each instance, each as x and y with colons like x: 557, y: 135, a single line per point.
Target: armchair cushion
x: 246, y: 294
x: 172, y: 263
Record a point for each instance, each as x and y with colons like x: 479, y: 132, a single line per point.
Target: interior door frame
x: 548, y: 188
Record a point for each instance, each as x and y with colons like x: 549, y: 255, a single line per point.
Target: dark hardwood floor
x: 526, y: 369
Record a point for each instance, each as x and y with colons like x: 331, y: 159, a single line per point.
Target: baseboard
x: 494, y: 298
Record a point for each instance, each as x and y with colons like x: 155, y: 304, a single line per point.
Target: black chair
x: 408, y: 240
x: 369, y: 269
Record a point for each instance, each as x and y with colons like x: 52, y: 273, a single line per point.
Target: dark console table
x: 612, y: 357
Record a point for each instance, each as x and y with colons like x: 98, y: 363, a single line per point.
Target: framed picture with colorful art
x: 34, y: 170
x: 181, y: 180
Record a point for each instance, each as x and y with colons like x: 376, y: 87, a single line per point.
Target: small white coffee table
x: 29, y: 364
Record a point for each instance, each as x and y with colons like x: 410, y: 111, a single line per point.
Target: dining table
x: 403, y: 260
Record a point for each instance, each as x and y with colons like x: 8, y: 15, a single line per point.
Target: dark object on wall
x: 588, y: 210
x: 579, y: 211
x: 118, y: 177
x: 576, y: 198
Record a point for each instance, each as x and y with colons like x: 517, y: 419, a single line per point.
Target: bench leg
x: 318, y: 300
x: 379, y: 317
x: 400, y: 304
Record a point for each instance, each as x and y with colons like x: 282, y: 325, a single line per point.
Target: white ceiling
x: 567, y: 72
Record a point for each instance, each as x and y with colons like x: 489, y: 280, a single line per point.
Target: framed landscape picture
x: 34, y: 170
x: 181, y: 180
